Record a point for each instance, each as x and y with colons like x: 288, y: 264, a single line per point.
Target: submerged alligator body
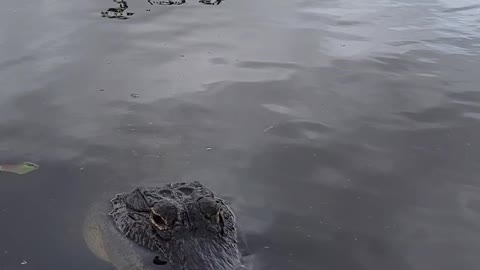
x: 185, y: 224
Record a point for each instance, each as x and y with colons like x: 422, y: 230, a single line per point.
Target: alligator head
x: 184, y: 223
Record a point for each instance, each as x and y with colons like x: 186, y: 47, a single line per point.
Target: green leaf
x: 22, y: 168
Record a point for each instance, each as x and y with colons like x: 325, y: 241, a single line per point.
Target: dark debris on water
x: 121, y: 14
x: 118, y: 12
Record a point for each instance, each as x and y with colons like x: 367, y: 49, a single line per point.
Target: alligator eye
x: 159, y: 221
x: 210, y: 209
x: 163, y: 215
x: 214, y: 218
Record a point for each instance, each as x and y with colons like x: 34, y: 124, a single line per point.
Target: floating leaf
x: 22, y: 168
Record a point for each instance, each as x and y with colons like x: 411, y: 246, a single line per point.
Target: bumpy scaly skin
x: 193, y: 242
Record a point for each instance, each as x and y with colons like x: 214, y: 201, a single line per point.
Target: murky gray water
x: 344, y: 132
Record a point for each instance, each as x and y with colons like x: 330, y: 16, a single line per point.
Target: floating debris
x: 118, y: 12
x: 133, y: 95
x: 22, y: 168
x: 211, y: 2
x: 268, y: 129
x: 167, y: 2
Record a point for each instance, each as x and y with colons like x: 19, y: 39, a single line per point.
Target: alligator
x: 183, y: 225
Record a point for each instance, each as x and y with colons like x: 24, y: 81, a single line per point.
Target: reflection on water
x: 344, y: 133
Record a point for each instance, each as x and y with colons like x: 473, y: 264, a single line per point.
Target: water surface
x: 344, y: 133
